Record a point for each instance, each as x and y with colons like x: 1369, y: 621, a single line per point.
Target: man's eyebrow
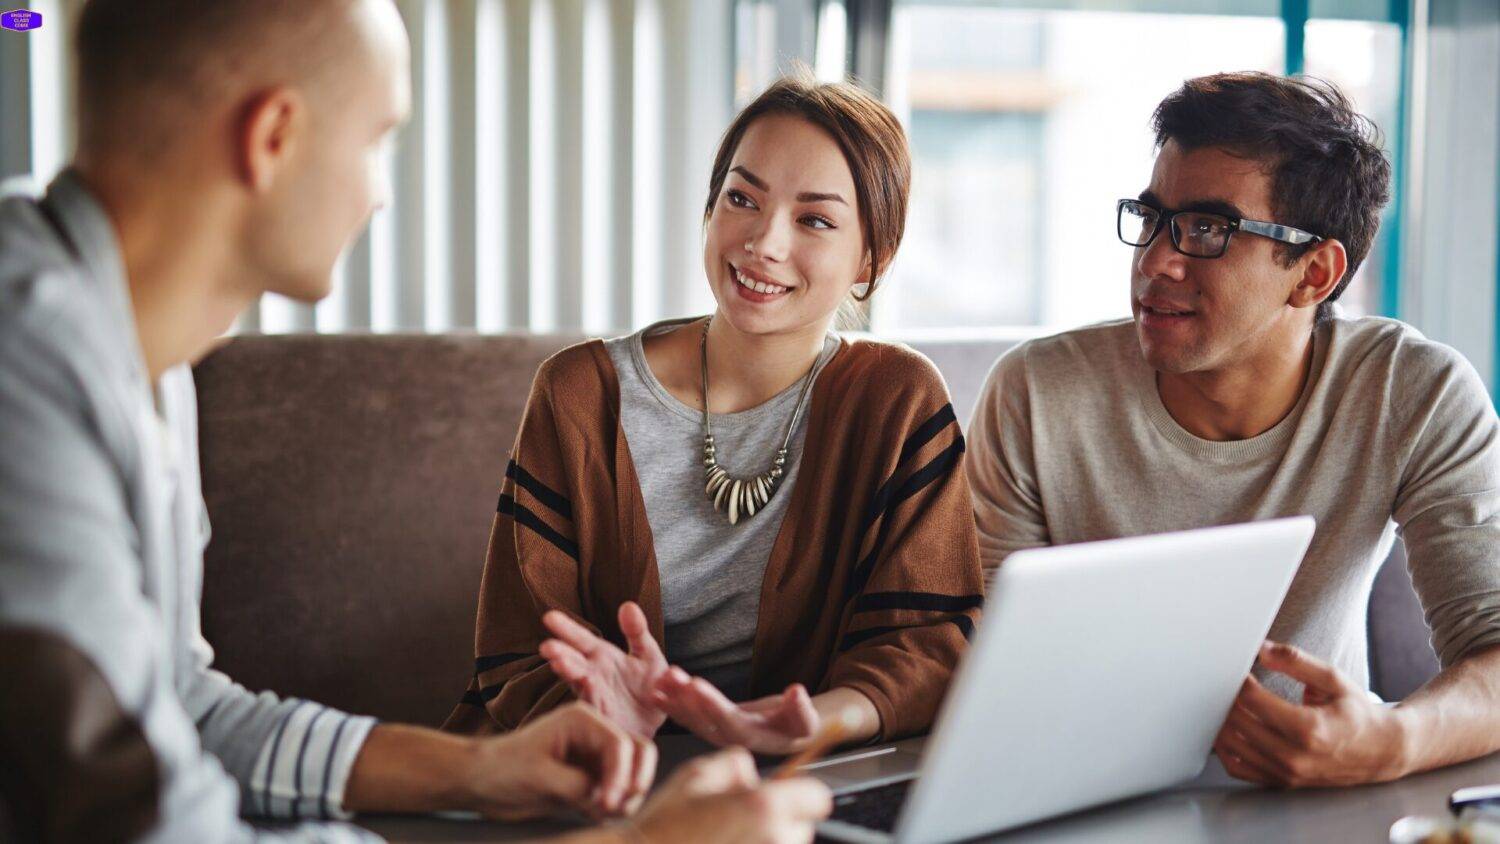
x: 1208, y: 206
x: 749, y: 177
x: 1214, y: 206
x: 820, y: 197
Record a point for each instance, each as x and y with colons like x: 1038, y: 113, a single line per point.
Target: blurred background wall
x: 553, y: 174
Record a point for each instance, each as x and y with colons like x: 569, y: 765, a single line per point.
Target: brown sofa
x: 351, y: 481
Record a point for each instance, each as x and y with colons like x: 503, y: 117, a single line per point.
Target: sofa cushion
x: 351, y: 481
x: 1401, y: 655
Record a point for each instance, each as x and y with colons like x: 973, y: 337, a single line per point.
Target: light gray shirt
x: 711, y: 571
x: 1393, y: 434
x: 102, y: 531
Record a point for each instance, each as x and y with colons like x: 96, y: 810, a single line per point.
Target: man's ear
x: 273, y: 124
x: 1322, y: 269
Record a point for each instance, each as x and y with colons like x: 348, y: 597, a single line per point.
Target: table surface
x: 1209, y: 809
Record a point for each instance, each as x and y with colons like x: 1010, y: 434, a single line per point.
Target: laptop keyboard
x: 874, y: 808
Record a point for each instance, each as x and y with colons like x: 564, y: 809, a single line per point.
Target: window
x: 1364, y: 59
x: 1026, y: 126
x: 1028, y: 121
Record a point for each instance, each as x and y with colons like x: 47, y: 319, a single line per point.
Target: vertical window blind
x: 551, y: 177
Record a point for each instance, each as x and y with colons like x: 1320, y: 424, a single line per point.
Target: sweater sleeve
x: 1448, y: 502
x: 1001, y: 466
x: 915, y: 591
x: 532, y: 566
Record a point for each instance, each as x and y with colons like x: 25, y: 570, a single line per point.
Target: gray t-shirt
x: 1393, y: 434
x: 711, y: 571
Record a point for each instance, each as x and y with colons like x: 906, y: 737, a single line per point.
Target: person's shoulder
x: 581, y: 367
x: 57, y: 357
x: 886, y: 380
x: 1378, y: 356
x: 1088, y: 343
x: 1393, y: 350
x: 34, y: 266
x: 1072, y: 359
x: 47, y: 305
x: 893, y: 362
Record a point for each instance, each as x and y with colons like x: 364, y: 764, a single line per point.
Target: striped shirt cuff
x: 302, y: 770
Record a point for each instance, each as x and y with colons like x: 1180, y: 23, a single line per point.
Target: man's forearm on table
x: 1455, y: 717
x: 404, y: 768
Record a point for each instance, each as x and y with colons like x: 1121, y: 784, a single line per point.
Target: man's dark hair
x: 1328, y: 173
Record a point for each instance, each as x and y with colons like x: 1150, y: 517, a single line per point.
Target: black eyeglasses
x: 1197, y: 234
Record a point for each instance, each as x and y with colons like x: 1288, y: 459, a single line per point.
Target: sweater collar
x: 1268, y: 443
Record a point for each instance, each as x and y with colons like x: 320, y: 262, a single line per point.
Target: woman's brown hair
x: 873, y: 143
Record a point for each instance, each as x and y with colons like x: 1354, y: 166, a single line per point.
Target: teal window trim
x: 1294, y: 22
x: 1294, y: 17
x: 1390, y: 276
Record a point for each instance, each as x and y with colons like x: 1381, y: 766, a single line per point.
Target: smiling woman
x: 876, y: 162
x: 745, y: 522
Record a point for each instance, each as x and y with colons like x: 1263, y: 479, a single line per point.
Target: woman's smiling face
x: 784, y: 242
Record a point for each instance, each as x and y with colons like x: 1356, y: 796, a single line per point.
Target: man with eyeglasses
x: 1235, y: 393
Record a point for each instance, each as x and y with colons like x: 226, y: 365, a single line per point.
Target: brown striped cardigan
x: 873, y: 581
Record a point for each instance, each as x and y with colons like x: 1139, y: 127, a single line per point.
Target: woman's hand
x: 621, y: 686
x: 777, y: 724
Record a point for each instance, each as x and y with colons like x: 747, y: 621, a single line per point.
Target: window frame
x: 869, y: 27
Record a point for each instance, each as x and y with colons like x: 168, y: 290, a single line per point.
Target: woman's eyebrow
x: 805, y: 196
x: 820, y: 197
x: 749, y: 177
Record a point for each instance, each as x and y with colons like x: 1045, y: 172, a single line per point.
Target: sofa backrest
x: 351, y: 482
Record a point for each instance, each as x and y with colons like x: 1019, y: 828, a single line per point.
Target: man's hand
x: 719, y: 798
x: 619, y: 685
x: 1336, y: 736
x: 775, y: 724
x: 572, y: 758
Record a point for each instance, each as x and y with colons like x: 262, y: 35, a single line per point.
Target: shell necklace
x: 741, y: 498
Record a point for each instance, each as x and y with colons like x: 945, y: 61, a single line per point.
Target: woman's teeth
x: 758, y: 286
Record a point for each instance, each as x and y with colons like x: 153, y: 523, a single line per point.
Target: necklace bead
x: 741, y: 498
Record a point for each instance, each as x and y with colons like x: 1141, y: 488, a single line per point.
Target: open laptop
x: 1099, y: 671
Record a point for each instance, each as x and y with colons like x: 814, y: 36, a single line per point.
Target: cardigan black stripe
x: 964, y: 624
x: 508, y: 506
x: 540, y: 491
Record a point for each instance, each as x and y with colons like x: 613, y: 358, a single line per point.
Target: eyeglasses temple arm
x: 1276, y: 231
